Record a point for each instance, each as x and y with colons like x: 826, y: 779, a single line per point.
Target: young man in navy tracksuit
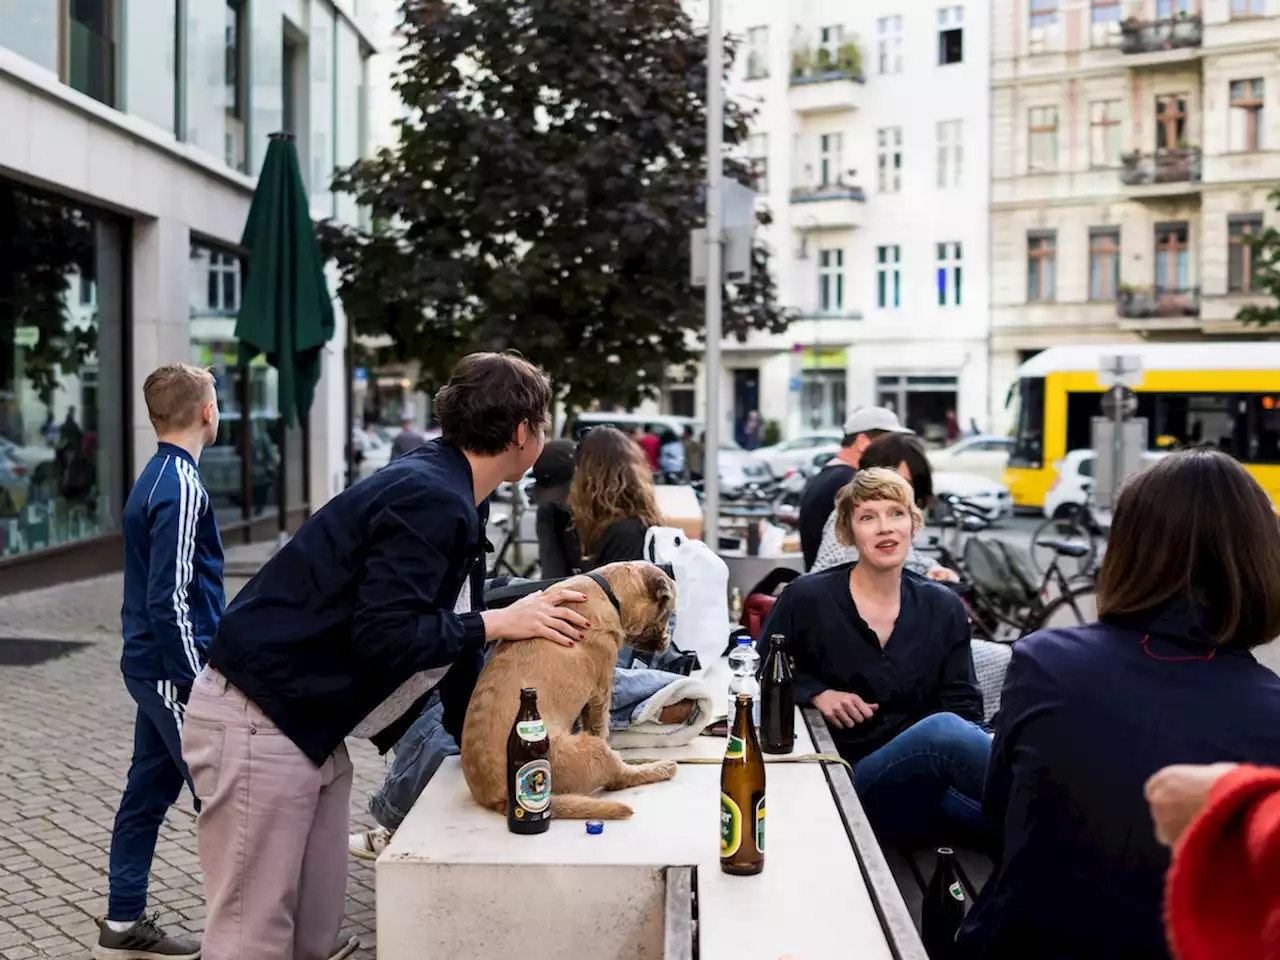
x: 173, y: 600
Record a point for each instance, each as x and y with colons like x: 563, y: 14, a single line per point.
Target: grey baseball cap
x: 873, y: 419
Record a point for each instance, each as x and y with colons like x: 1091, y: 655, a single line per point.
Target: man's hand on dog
x: 539, y: 616
x: 844, y: 710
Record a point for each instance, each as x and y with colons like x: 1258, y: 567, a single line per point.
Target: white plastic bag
x: 702, y: 591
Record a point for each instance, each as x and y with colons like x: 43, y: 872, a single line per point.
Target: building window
x: 950, y: 153
x: 89, y: 49
x: 1044, y: 13
x: 889, y: 31
x: 1042, y: 128
x: 830, y: 39
x: 948, y: 274
x: 757, y: 53
x: 950, y: 35
x: 1246, y: 115
x: 223, y: 283
x: 830, y: 159
x: 1104, y: 31
x: 822, y: 394
x: 830, y: 280
x: 1173, y: 259
x: 1171, y: 121
x: 1104, y: 133
x: 1042, y: 267
x: 758, y: 146
x: 1166, y: 9
x: 237, y: 91
x: 1248, y: 8
x: 1242, y: 267
x: 888, y: 279
x: 64, y: 446
x: 1104, y: 263
x: 889, y: 158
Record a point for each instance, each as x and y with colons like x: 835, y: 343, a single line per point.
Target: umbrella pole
x: 246, y: 441
x: 305, y: 422
x: 282, y: 484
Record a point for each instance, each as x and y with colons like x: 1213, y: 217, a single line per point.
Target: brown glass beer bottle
x: 742, y: 796
x: 528, y: 769
x: 777, y: 699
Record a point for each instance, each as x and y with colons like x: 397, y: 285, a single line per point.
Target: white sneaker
x: 369, y: 843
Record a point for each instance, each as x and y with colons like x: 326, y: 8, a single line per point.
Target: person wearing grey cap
x: 558, y: 552
x: 818, y: 500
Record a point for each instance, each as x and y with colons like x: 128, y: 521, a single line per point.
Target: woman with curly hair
x: 611, y: 498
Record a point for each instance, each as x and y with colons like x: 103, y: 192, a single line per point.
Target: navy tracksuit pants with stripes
x: 156, y: 776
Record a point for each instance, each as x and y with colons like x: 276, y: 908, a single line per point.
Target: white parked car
x: 984, y: 455
x: 989, y: 496
x: 789, y: 454
x: 1073, y: 485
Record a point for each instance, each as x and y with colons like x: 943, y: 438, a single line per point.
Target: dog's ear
x: 662, y: 588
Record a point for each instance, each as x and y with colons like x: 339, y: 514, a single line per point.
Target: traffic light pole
x: 715, y: 273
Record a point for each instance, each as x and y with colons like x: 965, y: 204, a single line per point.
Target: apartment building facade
x: 870, y: 143
x: 133, y: 132
x: 1134, y: 147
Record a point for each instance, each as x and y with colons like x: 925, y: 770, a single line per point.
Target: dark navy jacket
x: 1087, y: 715
x: 924, y: 668
x: 360, y: 600
x: 172, y: 571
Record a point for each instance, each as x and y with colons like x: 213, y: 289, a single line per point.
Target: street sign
x: 360, y: 374
x: 794, y: 384
x: 1119, y: 403
x: 1123, y: 370
x: 738, y: 204
x: 1119, y: 447
x: 736, y: 260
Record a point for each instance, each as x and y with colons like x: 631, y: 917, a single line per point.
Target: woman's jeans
x: 925, y: 785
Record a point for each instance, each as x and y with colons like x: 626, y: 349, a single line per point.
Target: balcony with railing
x: 1163, y: 173
x: 1178, y: 304
x: 826, y: 78
x: 1170, y: 38
x: 836, y: 205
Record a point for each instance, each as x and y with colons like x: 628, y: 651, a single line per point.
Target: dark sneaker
x: 143, y: 941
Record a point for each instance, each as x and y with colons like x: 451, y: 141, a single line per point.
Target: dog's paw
x: 664, y: 769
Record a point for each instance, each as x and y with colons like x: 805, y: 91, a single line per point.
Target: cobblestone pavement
x: 67, y: 727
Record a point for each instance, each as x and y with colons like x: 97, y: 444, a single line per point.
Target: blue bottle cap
x: 595, y: 826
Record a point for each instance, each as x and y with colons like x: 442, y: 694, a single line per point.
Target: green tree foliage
x: 542, y: 193
x: 1264, y: 251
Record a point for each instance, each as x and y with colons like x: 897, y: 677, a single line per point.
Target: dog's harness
x: 608, y: 591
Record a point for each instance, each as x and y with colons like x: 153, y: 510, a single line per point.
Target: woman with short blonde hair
x: 883, y: 654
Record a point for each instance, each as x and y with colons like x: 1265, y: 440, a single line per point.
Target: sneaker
x: 143, y: 941
x: 369, y: 843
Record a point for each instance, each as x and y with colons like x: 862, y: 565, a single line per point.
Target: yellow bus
x: 1221, y: 394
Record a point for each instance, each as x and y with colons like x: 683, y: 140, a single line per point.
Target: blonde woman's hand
x: 1177, y: 793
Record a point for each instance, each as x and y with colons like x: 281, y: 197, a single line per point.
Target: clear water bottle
x: 743, y: 661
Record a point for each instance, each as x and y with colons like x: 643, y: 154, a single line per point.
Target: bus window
x: 1081, y: 409
x: 1265, y: 441
x: 1028, y: 445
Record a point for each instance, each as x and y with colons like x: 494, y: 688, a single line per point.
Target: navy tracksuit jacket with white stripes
x: 173, y: 600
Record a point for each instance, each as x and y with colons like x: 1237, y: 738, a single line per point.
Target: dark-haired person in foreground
x: 345, y: 632
x: 1190, y: 584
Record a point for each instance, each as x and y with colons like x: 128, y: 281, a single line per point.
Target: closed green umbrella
x: 286, y: 311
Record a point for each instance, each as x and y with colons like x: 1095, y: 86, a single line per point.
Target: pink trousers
x: 272, y: 831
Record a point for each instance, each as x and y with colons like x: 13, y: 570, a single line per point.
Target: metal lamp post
x: 715, y: 271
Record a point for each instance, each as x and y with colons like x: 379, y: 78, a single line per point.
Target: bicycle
x: 1074, y: 523
x: 1005, y: 600
x: 500, y: 562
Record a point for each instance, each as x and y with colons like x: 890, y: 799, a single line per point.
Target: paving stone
x: 68, y: 725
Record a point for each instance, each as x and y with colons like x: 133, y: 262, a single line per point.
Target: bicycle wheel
x: 1071, y: 609
x: 1067, y: 529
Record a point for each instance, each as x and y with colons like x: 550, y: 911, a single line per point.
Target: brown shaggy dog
x: 572, y: 683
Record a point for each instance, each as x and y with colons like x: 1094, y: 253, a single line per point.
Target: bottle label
x: 956, y: 891
x: 531, y: 731
x: 730, y: 826
x: 533, y: 787
x: 736, y: 748
x: 760, y: 825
